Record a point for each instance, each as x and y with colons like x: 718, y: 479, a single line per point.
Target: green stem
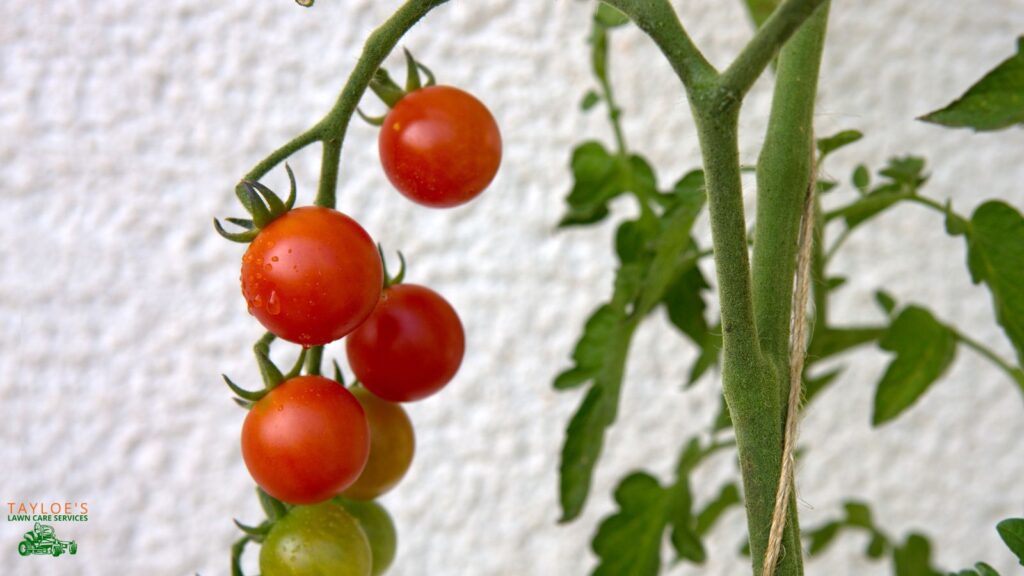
x: 783, y: 175
x: 1015, y: 373
x: 314, y: 360
x: 659, y: 20
x: 754, y: 58
x: 283, y: 153
x: 326, y: 195
x: 819, y: 265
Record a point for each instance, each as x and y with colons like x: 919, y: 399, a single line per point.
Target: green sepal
x: 338, y: 375
x: 412, y: 75
x: 389, y: 280
x: 274, y: 202
x: 250, y: 395
x: 260, y: 213
x: 297, y: 367
x: 289, y: 203
x: 274, y: 508
x: 241, y: 222
x: 255, y: 532
x: 377, y: 121
x: 247, y: 405
x: 240, y: 237
x: 385, y: 88
x: 271, y: 374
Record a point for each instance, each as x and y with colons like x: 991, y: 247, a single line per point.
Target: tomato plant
x: 306, y: 440
x: 320, y: 540
x: 380, y: 531
x: 392, y: 445
x: 410, y: 346
x: 311, y: 276
x: 440, y: 146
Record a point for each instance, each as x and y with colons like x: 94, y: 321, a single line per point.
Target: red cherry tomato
x: 392, y: 445
x: 410, y: 347
x: 306, y: 441
x: 440, y: 146
x: 312, y: 275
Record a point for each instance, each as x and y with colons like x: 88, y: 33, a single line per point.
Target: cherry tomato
x: 312, y: 275
x: 380, y: 531
x: 440, y: 146
x: 392, y: 445
x: 306, y: 441
x: 321, y: 540
x: 410, y: 346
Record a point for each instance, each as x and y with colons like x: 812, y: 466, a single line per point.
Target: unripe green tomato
x: 320, y: 540
x: 379, y: 529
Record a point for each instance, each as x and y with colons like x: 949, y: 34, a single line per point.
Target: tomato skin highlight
x: 410, y: 346
x: 311, y: 276
x: 440, y: 146
x: 321, y: 540
x: 306, y: 441
x: 392, y: 446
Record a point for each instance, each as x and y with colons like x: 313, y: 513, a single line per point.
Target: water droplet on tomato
x: 268, y: 268
x: 273, y: 304
x: 275, y: 258
x: 257, y: 302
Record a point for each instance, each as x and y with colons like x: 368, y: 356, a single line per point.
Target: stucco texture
x: 125, y: 124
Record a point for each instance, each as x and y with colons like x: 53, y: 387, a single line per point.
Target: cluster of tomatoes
x: 311, y: 276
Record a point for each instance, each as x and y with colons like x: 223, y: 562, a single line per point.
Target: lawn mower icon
x: 40, y: 540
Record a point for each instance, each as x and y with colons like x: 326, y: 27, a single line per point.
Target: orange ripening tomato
x: 392, y: 445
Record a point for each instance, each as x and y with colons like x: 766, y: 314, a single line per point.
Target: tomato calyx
x: 390, y: 92
x: 390, y: 280
x: 269, y: 372
x: 263, y: 205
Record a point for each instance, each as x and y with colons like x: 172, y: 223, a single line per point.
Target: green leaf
x: 609, y: 17
x: 956, y: 225
x: 728, y: 497
x: 820, y: 538
x: 995, y: 256
x: 597, y: 179
x: 905, y: 176
x: 590, y: 99
x: 924, y: 349
x: 629, y: 541
x: 1012, y: 532
x: 985, y: 570
x: 684, y: 302
x: 591, y: 349
x: 829, y: 145
x: 858, y: 514
x: 825, y: 186
x: 861, y: 178
x: 992, y: 103
x: 914, y: 558
x: 885, y: 301
x: 709, y: 355
x: 760, y: 10
x: 812, y: 386
x: 829, y: 341
x: 584, y: 437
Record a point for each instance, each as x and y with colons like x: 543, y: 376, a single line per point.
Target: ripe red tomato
x: 306, y: 441
x: 312, y: 275
x: 410, y: 347
x: 440, y: 146
x: 392, y: 445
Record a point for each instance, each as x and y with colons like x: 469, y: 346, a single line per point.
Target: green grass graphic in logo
x: 41, y: 540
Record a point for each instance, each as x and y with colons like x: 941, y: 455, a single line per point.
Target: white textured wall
x: 124, y: 124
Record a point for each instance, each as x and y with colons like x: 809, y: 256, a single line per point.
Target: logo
x: 41, y: 540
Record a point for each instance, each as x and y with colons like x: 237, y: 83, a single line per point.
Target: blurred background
x: 125, y: 125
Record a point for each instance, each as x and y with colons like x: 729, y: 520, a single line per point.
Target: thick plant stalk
x: 797, y: 355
